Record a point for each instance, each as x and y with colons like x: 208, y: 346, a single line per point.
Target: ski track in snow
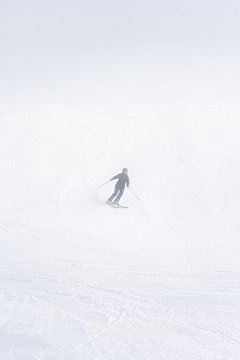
x: 81, y: 281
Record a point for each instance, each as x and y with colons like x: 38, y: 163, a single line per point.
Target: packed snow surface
x: 83, y: 281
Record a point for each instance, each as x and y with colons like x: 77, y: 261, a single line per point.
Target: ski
x: 112, y: 205
x: 123, y: 206
x: 116, y: 205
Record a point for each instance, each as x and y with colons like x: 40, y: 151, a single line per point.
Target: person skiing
x: 123, y: 179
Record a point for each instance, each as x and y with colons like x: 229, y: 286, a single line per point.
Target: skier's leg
x: 120, y: 194
x: 116, y: 190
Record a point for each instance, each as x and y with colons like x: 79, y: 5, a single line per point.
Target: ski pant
x: 118, y: 192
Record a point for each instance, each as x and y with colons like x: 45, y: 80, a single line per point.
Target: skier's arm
x: 127, y: 181
x: 115, y: 177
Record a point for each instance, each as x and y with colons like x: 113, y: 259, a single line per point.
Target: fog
x: 87, y: 89
x: 157, y: 51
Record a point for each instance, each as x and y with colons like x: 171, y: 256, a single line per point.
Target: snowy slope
x: 80, y: 280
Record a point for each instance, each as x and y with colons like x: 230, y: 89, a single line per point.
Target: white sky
x: 134, y: 50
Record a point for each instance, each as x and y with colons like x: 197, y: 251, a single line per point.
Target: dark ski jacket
x: 123, y: 179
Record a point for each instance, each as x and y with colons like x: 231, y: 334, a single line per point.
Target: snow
x: 159, y: 280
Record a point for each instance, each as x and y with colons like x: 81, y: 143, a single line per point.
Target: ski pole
x: 104, y: 183
x: 134, y: 194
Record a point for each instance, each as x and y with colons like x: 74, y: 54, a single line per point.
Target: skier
x: 123, y: 179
